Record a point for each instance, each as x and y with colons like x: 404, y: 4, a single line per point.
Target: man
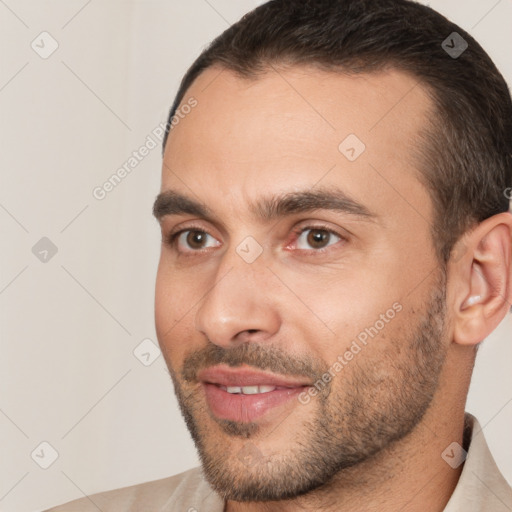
x: 336, y: 244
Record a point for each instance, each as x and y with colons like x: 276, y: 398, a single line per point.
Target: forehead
x: 298, y: 128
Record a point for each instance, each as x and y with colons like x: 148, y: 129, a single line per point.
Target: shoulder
x: 481, y: 486
x: 185, y: 491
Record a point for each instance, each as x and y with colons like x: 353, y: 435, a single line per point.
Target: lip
x: 227, y: 376
x: 246, y: 408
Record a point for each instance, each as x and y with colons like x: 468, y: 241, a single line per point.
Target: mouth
x: 245, y: 394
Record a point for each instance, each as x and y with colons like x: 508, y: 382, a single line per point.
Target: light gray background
x: 69, y: 326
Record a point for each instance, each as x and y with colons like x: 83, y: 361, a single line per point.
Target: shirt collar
x: 481, y: 486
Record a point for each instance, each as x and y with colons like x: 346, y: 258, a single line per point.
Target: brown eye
x: 196, y: 239
x: 316, y: 238
x: 190, y: 240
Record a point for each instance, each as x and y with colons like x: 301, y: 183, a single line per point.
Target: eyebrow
x: 171, y: 202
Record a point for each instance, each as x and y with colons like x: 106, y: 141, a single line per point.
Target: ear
x: 483, y: 275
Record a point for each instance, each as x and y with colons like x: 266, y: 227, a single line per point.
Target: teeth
x: 249, y: 390
x: 266, y: 389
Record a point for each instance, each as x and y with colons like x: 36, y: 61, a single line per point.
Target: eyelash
x: 172, y: 238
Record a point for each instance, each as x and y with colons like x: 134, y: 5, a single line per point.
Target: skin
x: 393, y: 409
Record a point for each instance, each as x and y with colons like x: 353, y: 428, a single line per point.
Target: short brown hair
x: 466, y: 161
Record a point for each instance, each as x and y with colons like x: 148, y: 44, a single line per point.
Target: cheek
x: 350, y: 328
x: 342, y: 307
x: 175, y: 304
x: 164, y: 310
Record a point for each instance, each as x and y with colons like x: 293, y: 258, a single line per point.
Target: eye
x: 316, y: 238
x: 193, y: 240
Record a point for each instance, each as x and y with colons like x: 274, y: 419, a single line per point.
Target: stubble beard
x: 361, y: 413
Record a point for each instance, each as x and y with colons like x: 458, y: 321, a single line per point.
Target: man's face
x: 306, y: 258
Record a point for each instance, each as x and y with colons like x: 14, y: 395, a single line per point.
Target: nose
x: 238, y: 307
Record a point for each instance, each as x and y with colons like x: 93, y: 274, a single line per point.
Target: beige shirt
x: 481, y: 488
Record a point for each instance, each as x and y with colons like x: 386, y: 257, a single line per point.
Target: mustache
x: 262, y: 357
